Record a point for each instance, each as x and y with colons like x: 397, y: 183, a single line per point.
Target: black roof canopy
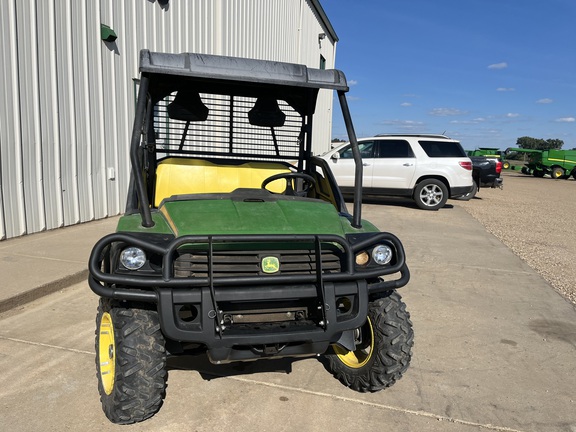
x: 241, y: 70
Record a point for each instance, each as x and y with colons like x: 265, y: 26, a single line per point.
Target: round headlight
x: 133, y: 258
x: 382, y: 254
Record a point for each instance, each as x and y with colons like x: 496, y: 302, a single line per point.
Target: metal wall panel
x: 311, y: 51
x: 28, y: 72
x: 261, y: 29
x: 110, y: 97
x: 68, y: 98
x: 82, y: 117
x: 66, y: 107
x: 48, y: 109
x: 96, y: 109
x: 11, y: 181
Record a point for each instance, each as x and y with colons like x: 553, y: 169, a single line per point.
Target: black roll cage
x: 298, y: 84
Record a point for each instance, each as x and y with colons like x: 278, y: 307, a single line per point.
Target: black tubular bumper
x: 211, y: 294
x: 142, y: 288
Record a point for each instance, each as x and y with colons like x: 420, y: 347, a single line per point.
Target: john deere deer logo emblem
x: 270, y: 264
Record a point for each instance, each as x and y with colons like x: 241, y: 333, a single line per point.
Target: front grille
x: 249, y: 263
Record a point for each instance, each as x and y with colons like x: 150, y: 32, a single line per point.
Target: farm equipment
x: 556, y: 163
x: 491, y: 153
x: 236, y: 242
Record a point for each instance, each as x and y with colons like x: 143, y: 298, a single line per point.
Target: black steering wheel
x: 308, y: 183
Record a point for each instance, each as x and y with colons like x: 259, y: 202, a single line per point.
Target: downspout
x: 357, y: 209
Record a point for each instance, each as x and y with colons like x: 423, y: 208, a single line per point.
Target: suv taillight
x: 498, y: 167
x: 466, y: 165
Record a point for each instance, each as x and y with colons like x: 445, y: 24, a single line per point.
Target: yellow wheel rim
x: 358, y: 358
x: 106, y: 352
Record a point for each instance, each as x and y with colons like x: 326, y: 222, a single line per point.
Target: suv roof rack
x: 423, y: 135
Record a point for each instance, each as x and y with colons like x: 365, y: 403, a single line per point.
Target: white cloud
x: 402, y: 123
x: 468, y: 122
x: 505, y: 89
x: 566, y: 120
x: 405, y: 104
x: 352, y: 82
x: 512, y: 115
x: 544, y: 101
x: 444, y: 112
x: 502, y: 65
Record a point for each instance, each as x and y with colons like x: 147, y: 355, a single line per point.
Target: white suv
x: 428, y: 168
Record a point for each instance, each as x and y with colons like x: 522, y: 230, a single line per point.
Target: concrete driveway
x: 494, y: 350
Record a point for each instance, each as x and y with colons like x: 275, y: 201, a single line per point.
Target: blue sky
x: 485, y: 72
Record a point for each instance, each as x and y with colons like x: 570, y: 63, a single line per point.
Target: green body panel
x: 486, y: 151
x: 133, y: 223
x: 564, y: 158
x: 522, y: 150
x: 226, y: 216
x: 205, y: 217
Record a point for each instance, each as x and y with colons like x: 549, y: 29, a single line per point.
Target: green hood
x: 227, y: 216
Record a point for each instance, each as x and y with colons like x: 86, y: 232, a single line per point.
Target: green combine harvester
x: 556, y: 163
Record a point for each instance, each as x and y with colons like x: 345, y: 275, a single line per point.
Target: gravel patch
x: 534, y: 217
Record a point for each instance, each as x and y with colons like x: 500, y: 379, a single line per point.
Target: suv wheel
x: 130, y: 362
x: 383, y: 351
x: 431, y: 194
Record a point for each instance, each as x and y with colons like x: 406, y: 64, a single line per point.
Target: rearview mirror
x: 335, y: 156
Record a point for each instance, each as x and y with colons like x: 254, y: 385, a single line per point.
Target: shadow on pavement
x: 208, y: 371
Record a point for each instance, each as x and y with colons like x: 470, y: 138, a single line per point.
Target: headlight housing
x: 133, y: 258
x: 382, y: 254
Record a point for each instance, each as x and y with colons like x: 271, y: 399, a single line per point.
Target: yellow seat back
x: 182, y: 176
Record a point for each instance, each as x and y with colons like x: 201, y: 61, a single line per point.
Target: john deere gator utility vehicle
x: 236, y: 240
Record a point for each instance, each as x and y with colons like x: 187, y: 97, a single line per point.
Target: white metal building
x: 67, y: 95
